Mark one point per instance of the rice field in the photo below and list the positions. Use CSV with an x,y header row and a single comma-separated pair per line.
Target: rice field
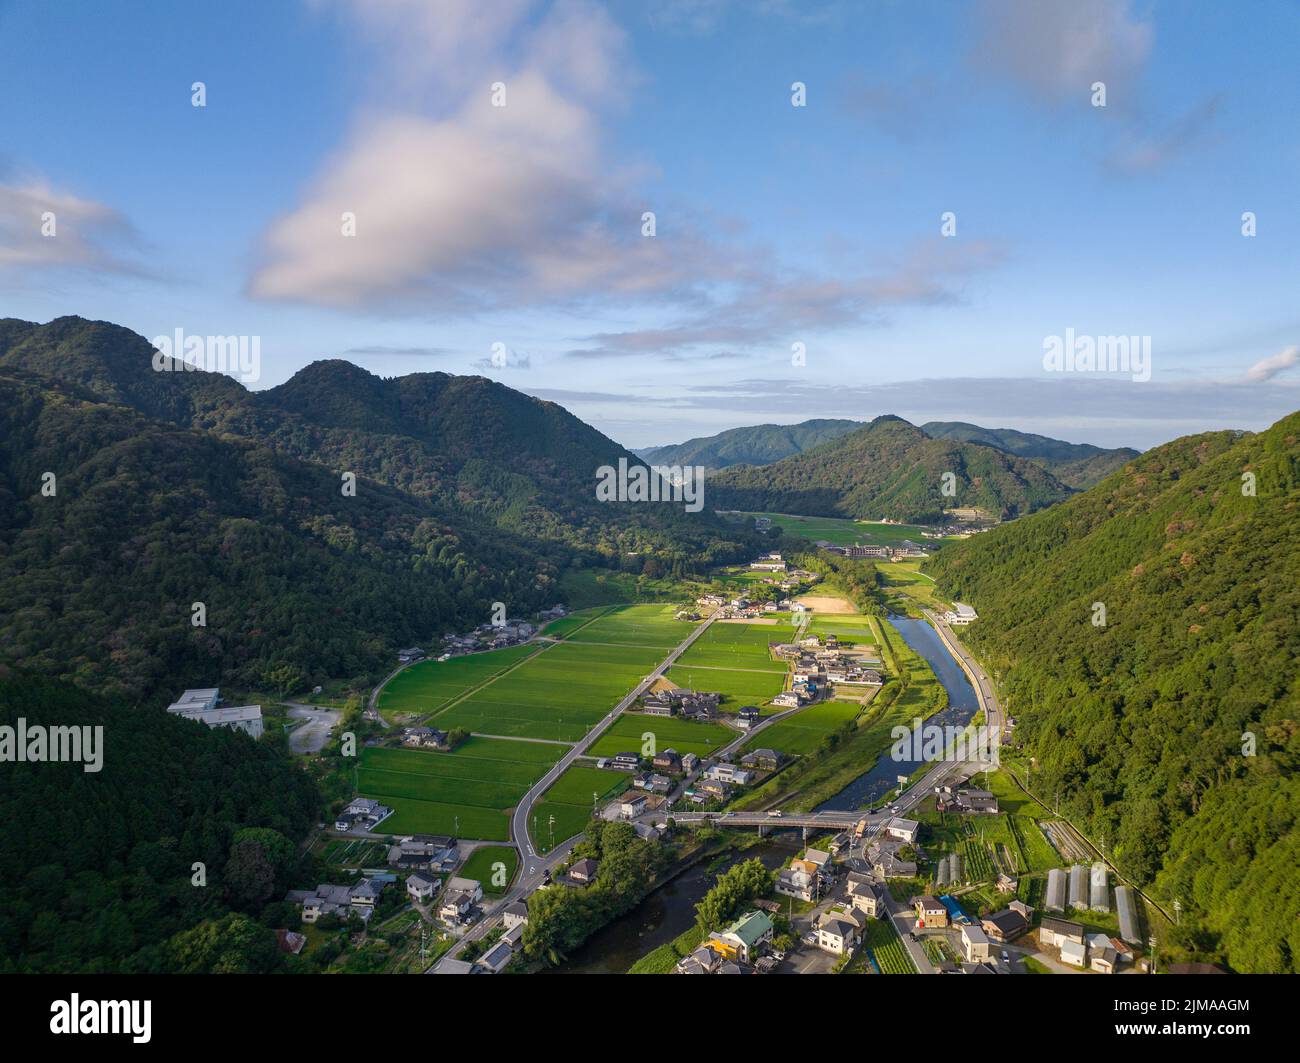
x,y
564,809
626,735
736,687
467,793
492,865
803,732
735,645
642,626
430,685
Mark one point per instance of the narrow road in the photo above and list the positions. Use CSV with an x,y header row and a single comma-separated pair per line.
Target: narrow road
x,y
533,865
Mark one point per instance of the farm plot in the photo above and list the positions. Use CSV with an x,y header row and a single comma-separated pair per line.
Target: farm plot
x,y
564,809
559,694
428,686
850,628
881,939
736,687
643,626
492,865
467,793
803,732
625,735
728,645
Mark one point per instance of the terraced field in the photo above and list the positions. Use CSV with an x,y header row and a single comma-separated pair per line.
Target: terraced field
x,y
467,793
428,686
625,735
569,802
803,732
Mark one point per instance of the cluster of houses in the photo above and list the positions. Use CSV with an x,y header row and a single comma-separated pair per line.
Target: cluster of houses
x,y
424,852
953,799
807,877
737,949
205,705
817,662
359,898
361,814
489,637
678,701
885,853
1078,948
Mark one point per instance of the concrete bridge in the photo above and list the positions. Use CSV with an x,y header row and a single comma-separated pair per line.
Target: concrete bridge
x,y
808,822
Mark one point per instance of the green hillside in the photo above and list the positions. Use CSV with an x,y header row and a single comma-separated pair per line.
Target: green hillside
x,y
888,468
1077,465
1140,724
753,445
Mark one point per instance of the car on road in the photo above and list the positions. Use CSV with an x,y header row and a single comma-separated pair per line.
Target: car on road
x,y
1006,956
774,814
727,815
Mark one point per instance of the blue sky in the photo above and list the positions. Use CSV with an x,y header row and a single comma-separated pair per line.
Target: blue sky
x,y
775,225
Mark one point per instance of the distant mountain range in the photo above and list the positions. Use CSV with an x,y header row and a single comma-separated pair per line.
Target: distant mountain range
x,y
889,468
1146,633
1076,465
757,445
180,487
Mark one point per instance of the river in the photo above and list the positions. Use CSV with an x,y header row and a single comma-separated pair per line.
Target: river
x,y
666,913
670,910
871,786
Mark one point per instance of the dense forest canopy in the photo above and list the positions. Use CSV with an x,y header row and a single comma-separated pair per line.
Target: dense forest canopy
x,y
99,867
1146,635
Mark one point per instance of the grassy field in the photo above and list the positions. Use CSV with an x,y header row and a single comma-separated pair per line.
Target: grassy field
x,y
909,588
428,686
624,735
738,645
637,625
738,688
569,801
467,793
803,732
482,865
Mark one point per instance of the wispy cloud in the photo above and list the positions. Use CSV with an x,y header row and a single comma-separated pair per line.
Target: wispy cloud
x,y
1267,368
42,229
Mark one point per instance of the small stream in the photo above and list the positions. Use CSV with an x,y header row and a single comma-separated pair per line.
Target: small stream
x,y
666,913
867,789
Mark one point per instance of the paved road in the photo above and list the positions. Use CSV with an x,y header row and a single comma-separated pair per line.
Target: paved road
x,y
535,866
311,737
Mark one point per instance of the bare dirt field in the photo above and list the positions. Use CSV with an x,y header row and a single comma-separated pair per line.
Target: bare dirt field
x,y
820,603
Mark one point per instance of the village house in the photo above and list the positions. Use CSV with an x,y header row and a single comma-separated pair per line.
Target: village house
x,y
931,913
1004,926
624,762
690,762
458,900
800,880
729,773
748,717
744,938
362,813
975,944
360,897
704,960
762,759
668,761
865,895
409,655
583,872
424,738
632,806
905,830
838,930
421,887
515,914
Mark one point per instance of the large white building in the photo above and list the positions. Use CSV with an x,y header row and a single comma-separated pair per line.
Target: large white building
x,y
961,613
204,705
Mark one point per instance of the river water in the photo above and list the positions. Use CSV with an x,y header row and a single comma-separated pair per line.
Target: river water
x,y
871,786
670,910
666,913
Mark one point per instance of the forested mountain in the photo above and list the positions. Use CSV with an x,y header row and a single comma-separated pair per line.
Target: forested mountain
x,y
99,867
1076,465
754,445
1140,723
99,579
172,488
888,468
468,444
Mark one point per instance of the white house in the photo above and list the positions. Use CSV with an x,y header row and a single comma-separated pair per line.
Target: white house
x,y
421,886
838,930
903,829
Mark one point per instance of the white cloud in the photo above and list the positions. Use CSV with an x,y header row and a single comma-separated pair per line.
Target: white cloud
x,y
85,234
1058,48
1267,368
